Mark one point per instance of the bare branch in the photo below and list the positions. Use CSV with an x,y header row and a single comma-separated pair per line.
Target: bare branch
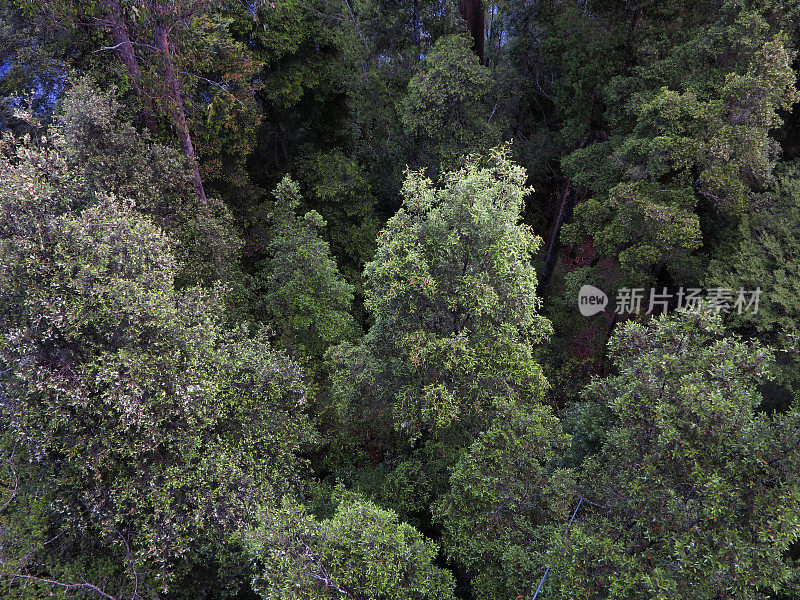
x,y
216,84
67,586
117,46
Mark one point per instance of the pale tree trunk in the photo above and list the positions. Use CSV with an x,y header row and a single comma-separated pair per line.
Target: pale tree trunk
x,y
175,100
124,48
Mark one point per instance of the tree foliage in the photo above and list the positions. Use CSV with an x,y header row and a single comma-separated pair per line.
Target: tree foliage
x,y
694,493
141,431
288,299
360,552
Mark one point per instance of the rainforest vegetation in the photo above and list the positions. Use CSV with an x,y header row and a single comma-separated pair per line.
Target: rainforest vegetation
x,y
399,300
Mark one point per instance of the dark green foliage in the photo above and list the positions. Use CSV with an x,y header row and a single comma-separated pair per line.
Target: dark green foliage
x,y
686,133
444,109
502,500
156,442
339,189
299,291
766,257
33,71
696,495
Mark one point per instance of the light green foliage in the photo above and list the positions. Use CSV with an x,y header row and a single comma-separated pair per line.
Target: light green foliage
x,y
687,133
361,552
697,493
143,432
444,108
502,499
453,293
155,440
299,291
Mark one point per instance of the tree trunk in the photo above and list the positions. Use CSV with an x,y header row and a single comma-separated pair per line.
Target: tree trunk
x,y
176,106
551,248
472,11
124,47
415,24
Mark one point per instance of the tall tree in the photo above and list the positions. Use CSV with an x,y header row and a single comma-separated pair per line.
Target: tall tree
x,y
141,433
474,14
453,294
505,496
694,493
684,132
765,256
444,107
298,289
164,48
104,154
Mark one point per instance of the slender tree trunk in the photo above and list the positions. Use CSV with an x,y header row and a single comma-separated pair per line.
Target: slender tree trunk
x,y
415,24
176,105
551,248
124,47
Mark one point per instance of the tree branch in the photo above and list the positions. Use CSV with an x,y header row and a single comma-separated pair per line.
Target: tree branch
x,y
67,586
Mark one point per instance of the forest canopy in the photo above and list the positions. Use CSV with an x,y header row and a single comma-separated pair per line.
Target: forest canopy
x,y
391,300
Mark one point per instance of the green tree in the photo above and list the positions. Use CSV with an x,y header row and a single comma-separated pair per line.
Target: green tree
x,y
685,132
444,108
298,290
103,153
361,552
765,256
140,433
695,494
453,295
193,80
503,498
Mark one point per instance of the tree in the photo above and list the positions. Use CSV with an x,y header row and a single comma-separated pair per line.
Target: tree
x,y
31,75
444,106
765,256
687,134
453,294
141,434
298,290
156,42
503,499
473,13
694,493
452,291
103,154
360,552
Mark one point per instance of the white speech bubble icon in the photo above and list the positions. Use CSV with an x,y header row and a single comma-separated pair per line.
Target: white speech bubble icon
x,y
591,300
